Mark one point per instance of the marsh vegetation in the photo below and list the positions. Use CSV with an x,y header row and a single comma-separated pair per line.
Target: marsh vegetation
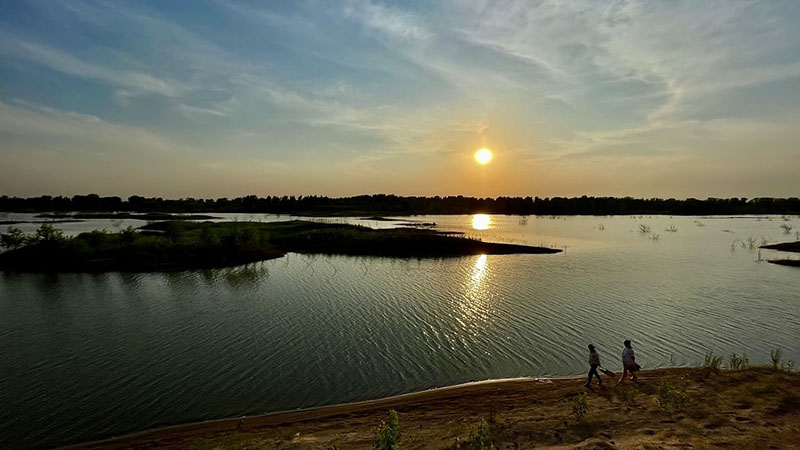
x,y
174,245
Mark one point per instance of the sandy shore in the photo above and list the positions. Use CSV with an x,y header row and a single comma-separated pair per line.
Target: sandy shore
x,y
754,408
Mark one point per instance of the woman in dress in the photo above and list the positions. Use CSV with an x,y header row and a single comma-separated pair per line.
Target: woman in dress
x,y
628,362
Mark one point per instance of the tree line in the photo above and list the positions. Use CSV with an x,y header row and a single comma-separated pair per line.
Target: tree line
x,y
385,204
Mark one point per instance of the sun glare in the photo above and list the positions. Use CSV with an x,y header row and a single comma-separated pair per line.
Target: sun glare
x,y
483,156
481,221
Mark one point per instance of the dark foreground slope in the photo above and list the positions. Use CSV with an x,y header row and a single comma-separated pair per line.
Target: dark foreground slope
x,y
178,245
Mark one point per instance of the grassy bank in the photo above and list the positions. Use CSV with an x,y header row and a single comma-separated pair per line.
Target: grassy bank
x,y
754,408
175,245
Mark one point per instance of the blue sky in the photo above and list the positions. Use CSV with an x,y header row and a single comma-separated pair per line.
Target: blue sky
x,y
215,98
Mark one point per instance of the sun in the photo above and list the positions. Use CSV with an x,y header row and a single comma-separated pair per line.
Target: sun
x,y
483,156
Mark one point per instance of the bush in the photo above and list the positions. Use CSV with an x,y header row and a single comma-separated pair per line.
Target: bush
x,y
712,361
673,395
387,436
580,406
13,238
736,362
128,235
776,356
483,438
173,230
250,237
48,234
209,238
95,238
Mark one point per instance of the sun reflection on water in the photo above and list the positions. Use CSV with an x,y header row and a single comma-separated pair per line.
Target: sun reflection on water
x,y
481,221
475,304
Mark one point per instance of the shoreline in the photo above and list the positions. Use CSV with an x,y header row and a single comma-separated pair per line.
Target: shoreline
x,y
325,410
516,403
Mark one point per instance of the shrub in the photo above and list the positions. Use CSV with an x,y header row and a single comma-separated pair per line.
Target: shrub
x,y
128,235
47,233
712,361
173,230
95,238
387,436
480,439
736,362
13,238
673,395
209,238
250,237
776,356
580,406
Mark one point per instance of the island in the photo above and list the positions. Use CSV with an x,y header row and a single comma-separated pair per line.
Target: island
x,y
785,247
180,245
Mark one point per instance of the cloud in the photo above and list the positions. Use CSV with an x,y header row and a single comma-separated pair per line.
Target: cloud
x,y
195,112
387,20
50,58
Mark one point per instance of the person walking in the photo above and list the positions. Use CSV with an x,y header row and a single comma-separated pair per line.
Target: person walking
x,y
594,363
628,362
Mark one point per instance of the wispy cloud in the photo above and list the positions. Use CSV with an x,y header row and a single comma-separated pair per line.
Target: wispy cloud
x,y
53,59
387,20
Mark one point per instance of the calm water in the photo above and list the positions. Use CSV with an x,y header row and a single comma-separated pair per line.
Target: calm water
x,y
89,356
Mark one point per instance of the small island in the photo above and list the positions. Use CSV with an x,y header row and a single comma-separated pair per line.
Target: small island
x,y
179,245
785,247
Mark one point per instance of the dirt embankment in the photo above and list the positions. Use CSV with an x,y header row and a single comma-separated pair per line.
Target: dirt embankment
x,y
672,408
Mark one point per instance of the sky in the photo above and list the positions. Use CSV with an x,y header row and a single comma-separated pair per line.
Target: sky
x,y
228,98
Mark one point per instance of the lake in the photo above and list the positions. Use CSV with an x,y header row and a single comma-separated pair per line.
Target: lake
x,y
88,356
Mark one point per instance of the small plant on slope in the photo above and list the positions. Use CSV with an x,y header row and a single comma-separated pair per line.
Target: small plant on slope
x,y
776,355
580,406
387,436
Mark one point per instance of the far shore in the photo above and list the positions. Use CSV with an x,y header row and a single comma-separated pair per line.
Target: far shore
x,y
667,408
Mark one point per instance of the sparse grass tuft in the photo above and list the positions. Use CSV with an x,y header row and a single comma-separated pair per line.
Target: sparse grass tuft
x,y
776,355
711,364
673,396
387,436
736,362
